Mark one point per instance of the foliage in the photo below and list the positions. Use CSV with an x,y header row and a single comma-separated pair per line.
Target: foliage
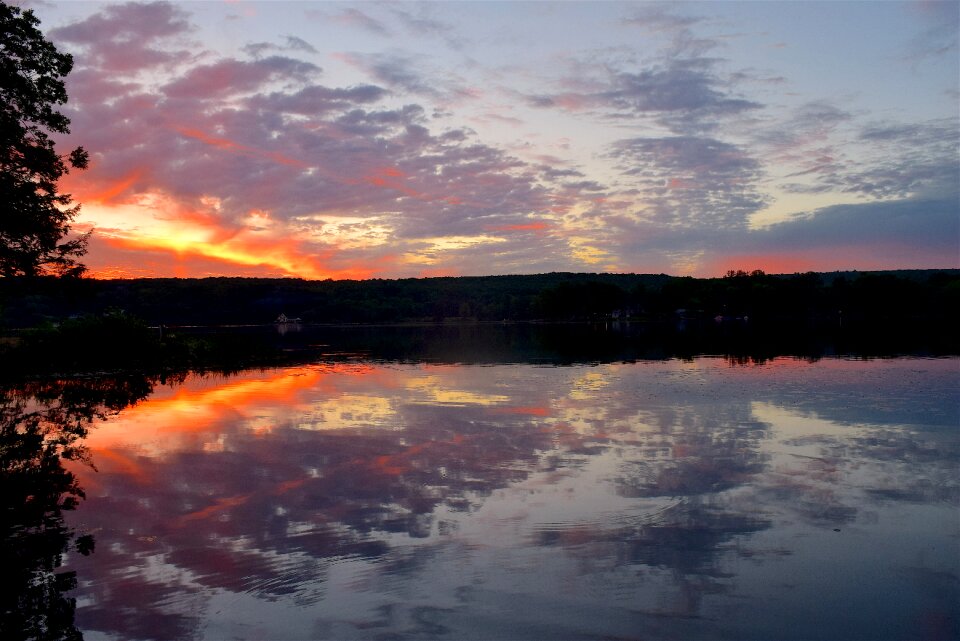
x,y
84,331
115,341
41,424
35,217
776,300
111,340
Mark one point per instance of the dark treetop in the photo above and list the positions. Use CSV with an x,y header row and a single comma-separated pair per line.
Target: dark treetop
x,y
34,216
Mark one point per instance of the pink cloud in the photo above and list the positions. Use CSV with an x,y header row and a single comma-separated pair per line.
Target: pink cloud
x,y
260,135
237,148
231,77
123,38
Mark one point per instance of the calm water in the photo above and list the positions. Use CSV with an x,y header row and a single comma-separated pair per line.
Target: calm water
x,y
675,499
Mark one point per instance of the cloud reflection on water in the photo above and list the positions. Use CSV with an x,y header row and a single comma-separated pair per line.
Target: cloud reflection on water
x,y
356,500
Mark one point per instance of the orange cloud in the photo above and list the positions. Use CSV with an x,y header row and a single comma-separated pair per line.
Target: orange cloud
x,y
192,242
237,148
524,411
381,177
123,257
277,255
538,226
392,171
385,177
111,191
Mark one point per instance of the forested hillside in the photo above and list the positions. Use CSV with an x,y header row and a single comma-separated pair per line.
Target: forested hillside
x,y
833,298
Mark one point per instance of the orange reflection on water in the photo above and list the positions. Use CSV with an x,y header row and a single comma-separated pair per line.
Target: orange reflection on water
x,y
202,408
208,414
111,461
276,419
405,460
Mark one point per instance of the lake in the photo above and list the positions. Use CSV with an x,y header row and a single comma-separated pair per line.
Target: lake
x,y
358,498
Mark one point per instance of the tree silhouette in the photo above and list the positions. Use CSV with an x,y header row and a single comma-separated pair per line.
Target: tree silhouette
x,y
41,424
34,216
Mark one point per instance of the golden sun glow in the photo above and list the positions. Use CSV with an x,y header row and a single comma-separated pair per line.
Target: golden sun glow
x,y
433,248
589,254
164,226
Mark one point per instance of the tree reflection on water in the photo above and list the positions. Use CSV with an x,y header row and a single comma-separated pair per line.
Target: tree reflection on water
x,y
41,425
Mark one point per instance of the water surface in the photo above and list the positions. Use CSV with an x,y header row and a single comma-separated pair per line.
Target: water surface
x,y
676,499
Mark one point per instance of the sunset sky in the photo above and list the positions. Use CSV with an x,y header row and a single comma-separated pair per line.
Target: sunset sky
x,y
396,139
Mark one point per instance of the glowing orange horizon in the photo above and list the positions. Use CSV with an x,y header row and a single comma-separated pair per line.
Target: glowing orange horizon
x,y
152,234
823,259
232,249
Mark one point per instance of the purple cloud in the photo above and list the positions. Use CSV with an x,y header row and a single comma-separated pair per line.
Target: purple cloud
x,y
693,181
685,94
895,160
231,77
123,38
292,43
354,17
304,153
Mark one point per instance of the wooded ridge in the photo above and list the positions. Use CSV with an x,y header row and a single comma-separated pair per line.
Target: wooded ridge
x,y
835,297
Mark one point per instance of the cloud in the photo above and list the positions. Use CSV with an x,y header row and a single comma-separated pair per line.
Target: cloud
x,y
657,18
392,70
661,20
684,91
313,100
123,38
409,74
535,227
939,35
112,257
810,123
420,23
354,17
881,160
908,159
230,145
681,88
230,77
693,181
926,226
381,172
911,233
130,22
686,94
292,43
299,44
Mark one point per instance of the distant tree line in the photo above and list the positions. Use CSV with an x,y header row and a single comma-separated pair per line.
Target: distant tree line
x,y
740,297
